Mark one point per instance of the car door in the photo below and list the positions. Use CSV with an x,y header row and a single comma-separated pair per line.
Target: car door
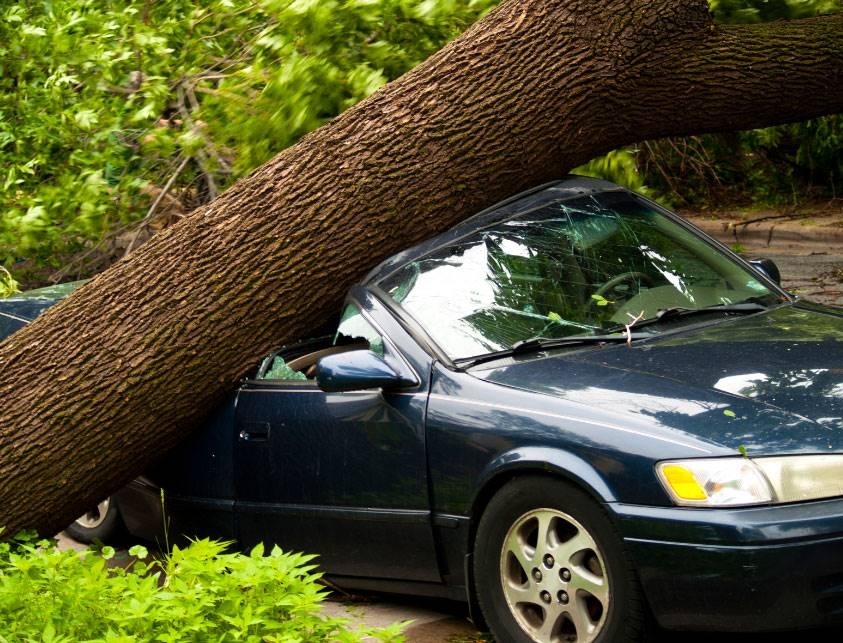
x,y
342,475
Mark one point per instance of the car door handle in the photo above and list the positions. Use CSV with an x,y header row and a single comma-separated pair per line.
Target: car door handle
x,y
258,432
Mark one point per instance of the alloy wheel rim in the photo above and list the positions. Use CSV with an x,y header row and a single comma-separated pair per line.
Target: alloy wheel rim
x,y
553,578
94,517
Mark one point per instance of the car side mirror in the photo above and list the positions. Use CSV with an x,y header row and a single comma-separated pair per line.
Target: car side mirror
x,y
357,370
769,268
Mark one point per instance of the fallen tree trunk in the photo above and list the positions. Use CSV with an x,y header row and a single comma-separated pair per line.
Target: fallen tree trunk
x,y
97,388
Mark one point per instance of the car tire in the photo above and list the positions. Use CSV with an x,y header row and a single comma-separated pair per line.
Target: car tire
x,y
101,523
549,567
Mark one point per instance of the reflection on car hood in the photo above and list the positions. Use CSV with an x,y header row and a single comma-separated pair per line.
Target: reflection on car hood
x,y
770,382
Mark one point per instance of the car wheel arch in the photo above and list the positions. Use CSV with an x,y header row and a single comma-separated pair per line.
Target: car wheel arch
x,y
539,461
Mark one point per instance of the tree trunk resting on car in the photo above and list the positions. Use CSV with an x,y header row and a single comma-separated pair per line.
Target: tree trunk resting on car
x,y
114,376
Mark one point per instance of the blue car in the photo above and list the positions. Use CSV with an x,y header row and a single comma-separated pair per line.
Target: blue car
x,y
574,411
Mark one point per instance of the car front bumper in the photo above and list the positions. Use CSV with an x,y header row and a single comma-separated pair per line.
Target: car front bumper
x,y
749,569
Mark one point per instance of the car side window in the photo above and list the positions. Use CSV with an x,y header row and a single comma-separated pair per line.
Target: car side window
x,y
353,333
354,327
280,370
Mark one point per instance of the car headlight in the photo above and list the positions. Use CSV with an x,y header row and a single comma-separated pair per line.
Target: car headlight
x,y
725,482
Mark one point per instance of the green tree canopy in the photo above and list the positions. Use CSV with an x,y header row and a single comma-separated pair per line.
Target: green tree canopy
x,y
117,112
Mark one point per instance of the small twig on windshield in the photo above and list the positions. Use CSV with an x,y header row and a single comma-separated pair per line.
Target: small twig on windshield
x,y
633,320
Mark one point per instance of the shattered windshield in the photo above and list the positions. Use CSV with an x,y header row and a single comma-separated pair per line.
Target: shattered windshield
x,y
573,268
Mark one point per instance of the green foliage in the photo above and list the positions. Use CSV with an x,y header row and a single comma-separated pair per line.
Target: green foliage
x,y
619,166
200,593
751,11
8,285
117,112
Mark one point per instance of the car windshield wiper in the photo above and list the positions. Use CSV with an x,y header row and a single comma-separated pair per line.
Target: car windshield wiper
x,y
744,307
538,344
616,334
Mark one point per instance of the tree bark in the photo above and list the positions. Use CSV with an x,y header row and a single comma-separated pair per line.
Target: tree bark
x,y
103,383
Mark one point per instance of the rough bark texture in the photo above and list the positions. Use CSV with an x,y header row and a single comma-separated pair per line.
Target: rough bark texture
x,y
117,374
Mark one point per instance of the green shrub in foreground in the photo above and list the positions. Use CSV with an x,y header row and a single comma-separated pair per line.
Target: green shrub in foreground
x,y
199,593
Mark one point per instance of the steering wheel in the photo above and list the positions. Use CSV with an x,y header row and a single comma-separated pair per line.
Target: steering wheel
x,y
633,278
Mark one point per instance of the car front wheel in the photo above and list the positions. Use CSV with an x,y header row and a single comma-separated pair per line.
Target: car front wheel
x,y
101,523
549,567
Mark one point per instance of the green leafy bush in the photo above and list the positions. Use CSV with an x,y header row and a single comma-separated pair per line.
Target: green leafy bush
x,y
619,166
751,11
199,593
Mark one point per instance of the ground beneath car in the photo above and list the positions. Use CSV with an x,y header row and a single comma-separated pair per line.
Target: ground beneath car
x,y
429,621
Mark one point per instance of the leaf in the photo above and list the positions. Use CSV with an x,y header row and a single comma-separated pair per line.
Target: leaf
x,y
146,113
86,118
8,286
139,551
29,30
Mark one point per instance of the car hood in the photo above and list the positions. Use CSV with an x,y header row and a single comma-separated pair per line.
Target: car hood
x,y
766,383
20,309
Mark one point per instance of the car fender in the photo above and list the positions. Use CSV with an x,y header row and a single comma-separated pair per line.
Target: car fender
x,y
539,460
